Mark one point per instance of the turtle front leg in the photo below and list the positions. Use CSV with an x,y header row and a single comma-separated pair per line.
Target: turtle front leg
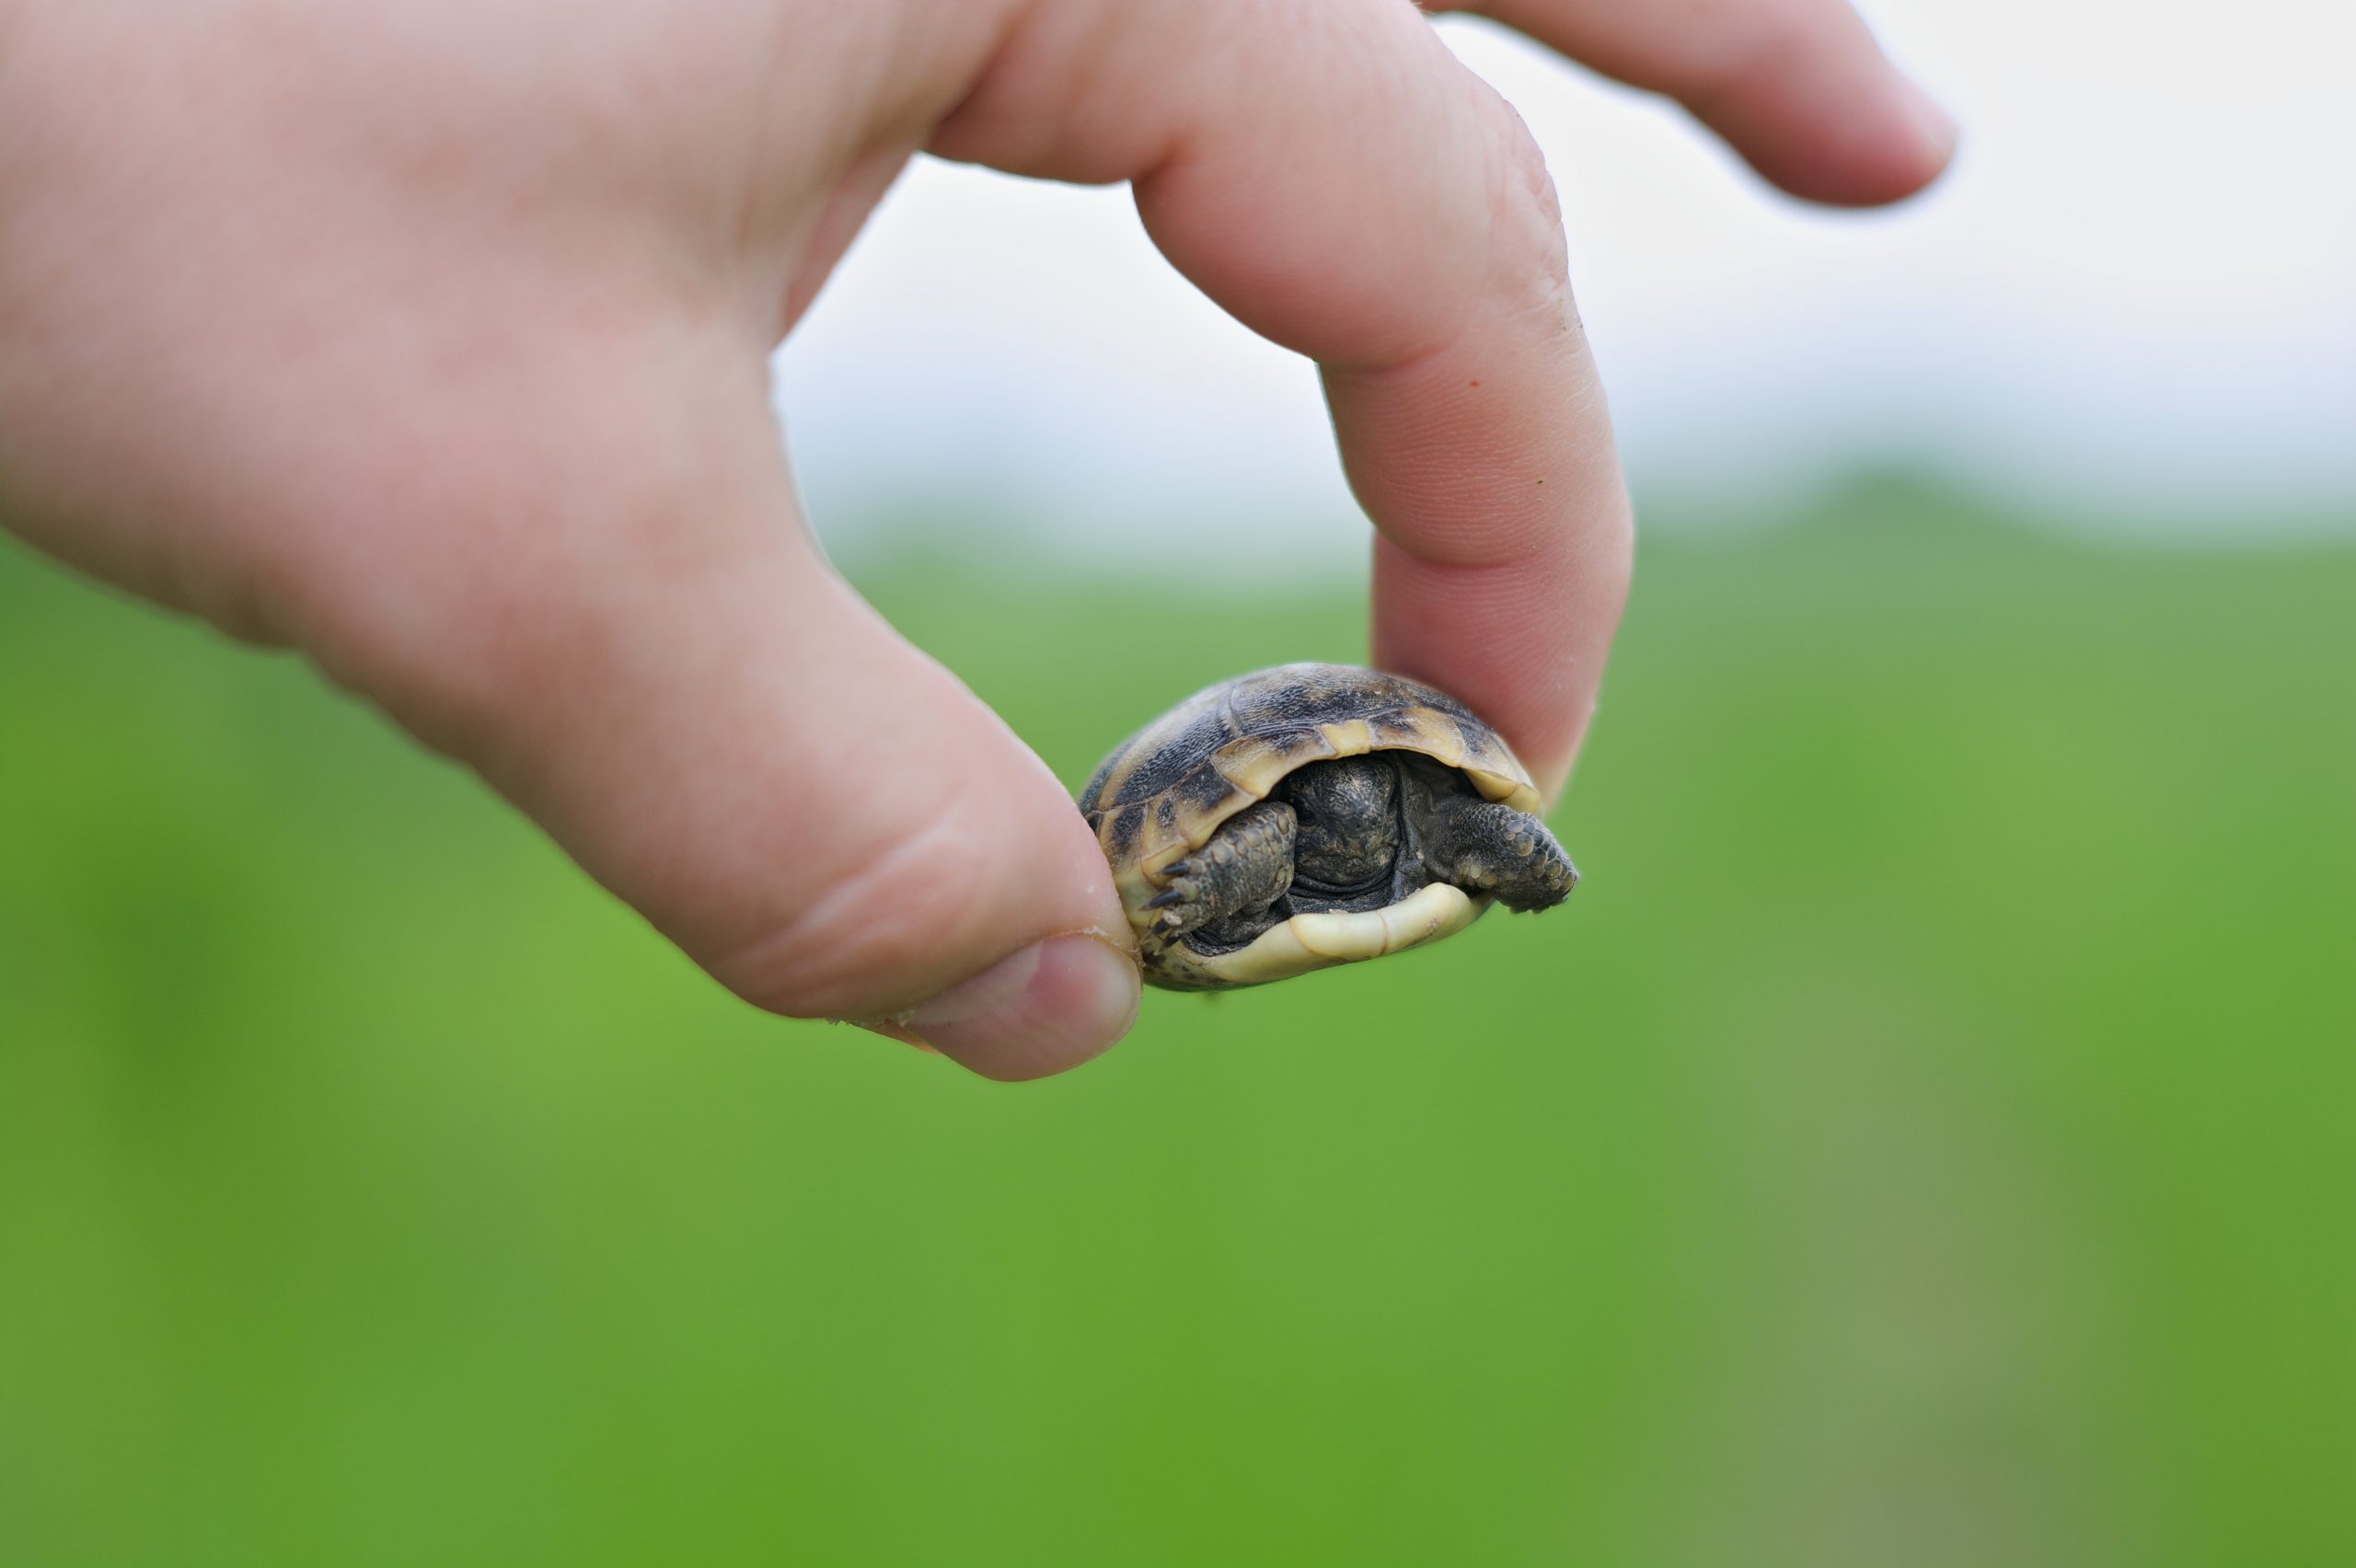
x,y
1483,846
1246,866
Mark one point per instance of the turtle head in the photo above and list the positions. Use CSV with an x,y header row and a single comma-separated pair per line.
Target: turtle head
x,y
1347,840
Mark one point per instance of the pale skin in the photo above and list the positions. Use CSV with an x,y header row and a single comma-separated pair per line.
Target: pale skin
x,y
430,341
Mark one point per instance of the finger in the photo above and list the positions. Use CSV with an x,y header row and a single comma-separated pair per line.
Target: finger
x,y
1330,173
534,504
580,569
1798,87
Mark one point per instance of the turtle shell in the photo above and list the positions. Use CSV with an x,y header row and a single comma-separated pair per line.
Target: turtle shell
x,y
1164,791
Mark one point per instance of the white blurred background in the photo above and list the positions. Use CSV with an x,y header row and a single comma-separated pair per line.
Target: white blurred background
x,y
2130,305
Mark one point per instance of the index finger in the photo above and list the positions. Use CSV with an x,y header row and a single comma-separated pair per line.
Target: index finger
x,y
1505,538
1330,173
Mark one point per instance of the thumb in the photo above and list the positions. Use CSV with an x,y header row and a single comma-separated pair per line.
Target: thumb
x,y
623,624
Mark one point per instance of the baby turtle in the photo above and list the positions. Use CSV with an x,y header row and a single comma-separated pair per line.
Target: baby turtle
x,y
1315,814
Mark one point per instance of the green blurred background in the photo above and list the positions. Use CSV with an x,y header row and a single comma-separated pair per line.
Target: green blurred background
x,y
1924,1139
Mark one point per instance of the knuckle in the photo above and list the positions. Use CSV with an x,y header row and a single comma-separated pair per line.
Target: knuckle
x,y
901,922
496,544
1530,253
1768,43
463,646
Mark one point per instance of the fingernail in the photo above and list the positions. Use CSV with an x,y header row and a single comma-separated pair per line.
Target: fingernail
x,y
1932,122
1052,1006
890,1031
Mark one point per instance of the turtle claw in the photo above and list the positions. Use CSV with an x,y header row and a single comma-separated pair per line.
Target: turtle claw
x,y
1182,905
1182,890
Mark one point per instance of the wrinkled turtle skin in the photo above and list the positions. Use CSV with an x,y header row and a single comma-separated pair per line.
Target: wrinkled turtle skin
x,y
1447,800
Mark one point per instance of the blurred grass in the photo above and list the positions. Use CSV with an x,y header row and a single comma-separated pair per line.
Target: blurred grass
x,y
1924,1139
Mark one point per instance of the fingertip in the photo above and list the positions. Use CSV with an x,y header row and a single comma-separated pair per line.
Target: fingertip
x,y
1842,148
1045,1011
1936,134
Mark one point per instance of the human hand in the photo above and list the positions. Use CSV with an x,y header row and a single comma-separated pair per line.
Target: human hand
x,y
432,341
